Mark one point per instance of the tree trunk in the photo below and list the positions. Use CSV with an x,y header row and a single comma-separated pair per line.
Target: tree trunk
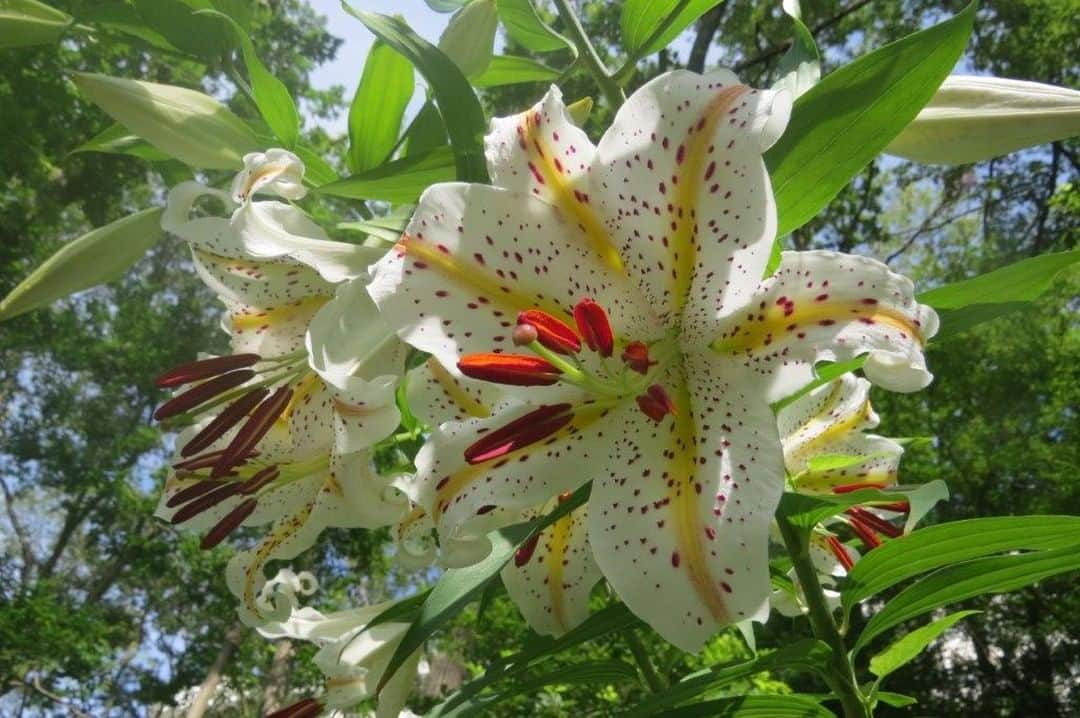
x,y
276,688
213,676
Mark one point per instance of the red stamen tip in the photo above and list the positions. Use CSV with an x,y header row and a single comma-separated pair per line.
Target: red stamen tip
x,y
841,553
204,369
253,430
514,369
202,393
875,522
524,431
227,525
656,404
205,502
865,533
636,356
552,333
595,327
232,415
848,488
525,552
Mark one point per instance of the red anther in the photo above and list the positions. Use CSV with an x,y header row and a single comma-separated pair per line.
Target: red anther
x,y
524,335
535,426
840,551
205,460
553,333
864,532
204,502
204,369
656,403
848,488
594,326
192,492
259,480
900,507
253,430
515,369
307,708
636,356
525,552
565,496
227,525
202,393
875,522
230,416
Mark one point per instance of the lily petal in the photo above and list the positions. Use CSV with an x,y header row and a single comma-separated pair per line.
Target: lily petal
x,y
683,191
827,306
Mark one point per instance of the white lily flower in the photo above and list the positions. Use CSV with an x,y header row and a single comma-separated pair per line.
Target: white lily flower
x,y
971,119
352,656
281,427
652,245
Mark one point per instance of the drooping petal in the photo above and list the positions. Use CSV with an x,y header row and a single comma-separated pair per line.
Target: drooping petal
x,y
355,663
679,181
681,508
467,500
827,306
275,171
543,153
825,446
474,256
551,580
276,229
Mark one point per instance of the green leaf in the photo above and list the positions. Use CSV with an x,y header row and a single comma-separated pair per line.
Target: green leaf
x,y
461,110
936,546
28,22
118,140
808,655
641,18
271,96
459,586
826,372
187,125
469,39
592,673
445,6
397,181
317,171
794,706
509,70
525,27
425,132
800,67
119,17
388,229
178,23
997,574
385,88
94,258
964,304
907,648
896,700
849,117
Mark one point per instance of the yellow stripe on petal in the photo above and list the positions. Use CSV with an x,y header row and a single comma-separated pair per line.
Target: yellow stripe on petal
x,y
685,505
554,562
548,171
281,532
454,390
260,318
690,159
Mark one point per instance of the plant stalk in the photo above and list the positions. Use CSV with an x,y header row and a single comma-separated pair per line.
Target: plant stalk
x,y
841,675
641,657
587,54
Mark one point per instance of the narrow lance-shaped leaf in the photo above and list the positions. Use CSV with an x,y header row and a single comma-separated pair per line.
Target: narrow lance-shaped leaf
x,y
525,27
118,140
28,22
936,546
964,304
385,88
94,258
795,706
641,18
398,181
469,39
997,574
188,125
591,673
911,645
271,96
461,110
800,67
507,70
849,117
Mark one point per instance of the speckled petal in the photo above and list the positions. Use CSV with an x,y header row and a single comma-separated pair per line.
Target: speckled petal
x,y
551,586
437,395
679,181
827,306
683,507
474,256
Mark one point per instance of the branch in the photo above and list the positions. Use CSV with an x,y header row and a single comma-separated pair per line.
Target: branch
x,y
782,47
28,557
707,27
54,697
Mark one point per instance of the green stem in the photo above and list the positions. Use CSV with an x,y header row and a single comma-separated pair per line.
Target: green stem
x,y
623,73
841,677
587,53
641,657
